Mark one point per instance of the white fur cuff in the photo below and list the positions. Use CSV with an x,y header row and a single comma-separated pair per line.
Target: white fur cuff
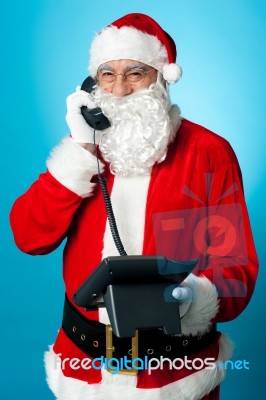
x,y
203,308
73,167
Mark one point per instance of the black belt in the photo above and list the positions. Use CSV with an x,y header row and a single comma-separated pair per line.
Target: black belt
x,y
90,337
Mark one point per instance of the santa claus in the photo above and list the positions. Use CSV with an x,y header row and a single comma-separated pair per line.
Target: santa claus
x,y
158,166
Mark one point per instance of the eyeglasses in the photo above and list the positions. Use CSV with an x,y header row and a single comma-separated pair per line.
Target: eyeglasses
x,y
132,76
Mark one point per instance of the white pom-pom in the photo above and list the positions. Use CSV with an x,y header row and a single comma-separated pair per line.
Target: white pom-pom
x,y
172,73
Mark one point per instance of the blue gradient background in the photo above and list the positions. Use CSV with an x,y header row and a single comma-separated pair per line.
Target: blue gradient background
x,y
44,54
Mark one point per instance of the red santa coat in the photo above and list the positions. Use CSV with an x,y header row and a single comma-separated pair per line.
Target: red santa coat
x,y
200,175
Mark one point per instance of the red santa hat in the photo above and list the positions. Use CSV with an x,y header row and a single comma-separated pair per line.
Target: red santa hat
x,y
136,37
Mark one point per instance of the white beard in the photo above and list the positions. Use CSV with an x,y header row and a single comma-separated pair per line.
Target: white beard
x,y
142,126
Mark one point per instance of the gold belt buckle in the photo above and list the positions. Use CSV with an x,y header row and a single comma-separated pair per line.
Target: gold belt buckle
x,y
110,349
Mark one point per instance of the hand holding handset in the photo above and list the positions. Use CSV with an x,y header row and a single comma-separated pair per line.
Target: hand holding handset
x,y
95,117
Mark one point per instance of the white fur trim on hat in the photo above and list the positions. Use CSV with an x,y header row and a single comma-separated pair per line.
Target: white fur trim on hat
x,y
126,43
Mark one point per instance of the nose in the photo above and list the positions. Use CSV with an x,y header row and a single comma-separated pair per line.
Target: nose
x,y
121,87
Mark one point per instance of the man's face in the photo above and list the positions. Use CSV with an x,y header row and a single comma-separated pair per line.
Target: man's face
x,y
124,77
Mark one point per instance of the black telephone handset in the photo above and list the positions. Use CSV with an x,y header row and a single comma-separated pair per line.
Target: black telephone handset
x,y
95,117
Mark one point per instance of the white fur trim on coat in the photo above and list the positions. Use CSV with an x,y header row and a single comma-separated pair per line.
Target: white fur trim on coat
x,y
129,196
73,166
116,387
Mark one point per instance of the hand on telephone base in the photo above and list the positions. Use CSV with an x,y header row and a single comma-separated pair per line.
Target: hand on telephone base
x,y
184,295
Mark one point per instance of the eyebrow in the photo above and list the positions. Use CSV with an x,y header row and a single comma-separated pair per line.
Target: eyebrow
x,y
136,66
106,67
